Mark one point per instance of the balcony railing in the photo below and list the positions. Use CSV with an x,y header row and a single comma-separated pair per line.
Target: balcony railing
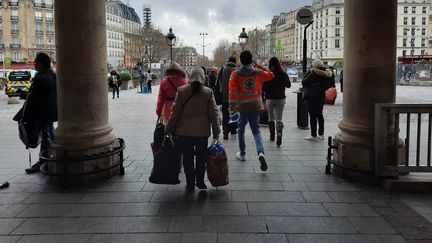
x,y
39,32
50,32
13,4
50,6
49,20
38,19
392,157
15,32
14,18
15,46
39,5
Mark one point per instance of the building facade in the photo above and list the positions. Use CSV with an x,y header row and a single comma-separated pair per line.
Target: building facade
x,y
186,56
132,28
26,28
413,28
114,34
326,34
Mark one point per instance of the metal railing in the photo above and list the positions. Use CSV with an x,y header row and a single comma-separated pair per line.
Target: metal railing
x,y
395,155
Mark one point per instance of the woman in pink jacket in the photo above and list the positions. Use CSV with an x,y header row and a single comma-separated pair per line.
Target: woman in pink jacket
x,y
174,78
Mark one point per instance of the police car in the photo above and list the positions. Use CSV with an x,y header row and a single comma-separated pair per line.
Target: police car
x,y
18,82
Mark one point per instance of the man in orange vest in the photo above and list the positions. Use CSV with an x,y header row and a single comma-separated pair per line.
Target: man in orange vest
x,y
245,90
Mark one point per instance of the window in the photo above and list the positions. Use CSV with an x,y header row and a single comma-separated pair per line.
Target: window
x,y
405,9
14,26
413,20
337,44
320,23
405,31
337,32
50,28
405,20
49,16
422,52
337,21
404,53
38,15
16,56
423,42
413,10
404,42
326,23
326,33
1,54
413,31
14,13
15,40
424,31
326,11
412,42
424,10
338,10
412,52
39,27
424,21
320,34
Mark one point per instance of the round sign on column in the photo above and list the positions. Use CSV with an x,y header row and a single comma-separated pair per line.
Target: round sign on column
x,y
304,16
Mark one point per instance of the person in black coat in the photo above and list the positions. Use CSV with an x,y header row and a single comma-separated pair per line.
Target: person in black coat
x,y
41,104
274,94
314,84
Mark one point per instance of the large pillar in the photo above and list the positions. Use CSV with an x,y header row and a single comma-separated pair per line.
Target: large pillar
x,y
83,128
369,75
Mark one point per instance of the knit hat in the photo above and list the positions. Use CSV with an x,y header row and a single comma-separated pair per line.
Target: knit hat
x,y
175,70
197,75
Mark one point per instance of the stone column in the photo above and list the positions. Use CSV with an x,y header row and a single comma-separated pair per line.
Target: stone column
x,y
83,128
369,78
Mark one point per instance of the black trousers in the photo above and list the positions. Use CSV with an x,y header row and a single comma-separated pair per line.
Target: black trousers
x,y
193,148
149,84
315,108
225,119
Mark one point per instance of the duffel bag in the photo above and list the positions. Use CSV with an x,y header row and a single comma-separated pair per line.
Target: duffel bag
x,y
217,165
166,164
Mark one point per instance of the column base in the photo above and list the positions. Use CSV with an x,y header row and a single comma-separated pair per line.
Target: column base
x,y
84,168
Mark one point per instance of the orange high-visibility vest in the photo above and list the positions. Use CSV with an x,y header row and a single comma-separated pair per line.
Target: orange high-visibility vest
x,y
245,92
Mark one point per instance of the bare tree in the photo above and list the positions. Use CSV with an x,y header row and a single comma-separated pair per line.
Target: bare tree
x,y
154,45
256,44
204,61
223,51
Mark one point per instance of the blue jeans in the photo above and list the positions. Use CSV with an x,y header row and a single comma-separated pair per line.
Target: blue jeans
x,y
47,137
253,119
115,88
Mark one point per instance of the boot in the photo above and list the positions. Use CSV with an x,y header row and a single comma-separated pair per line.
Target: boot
x,y
271,126
190,183
279,128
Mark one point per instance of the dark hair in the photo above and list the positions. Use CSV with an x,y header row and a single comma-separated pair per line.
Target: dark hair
x,y
246,57
232,59
149,71
43,59
275,65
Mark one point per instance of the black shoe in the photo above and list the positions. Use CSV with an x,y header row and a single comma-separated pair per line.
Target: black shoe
x,y
34,169
262,161
201,185
190,188
225,137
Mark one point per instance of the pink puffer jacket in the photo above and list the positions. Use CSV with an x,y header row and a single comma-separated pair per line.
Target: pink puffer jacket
x,y
167,92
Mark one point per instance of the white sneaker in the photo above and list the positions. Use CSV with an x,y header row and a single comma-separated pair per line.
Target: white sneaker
x,y
262,161
310,138
321,137
240,157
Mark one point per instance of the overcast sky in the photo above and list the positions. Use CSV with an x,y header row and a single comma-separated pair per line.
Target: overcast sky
x,y
222,19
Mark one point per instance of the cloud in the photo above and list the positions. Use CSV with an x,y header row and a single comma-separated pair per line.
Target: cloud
x,y
221,19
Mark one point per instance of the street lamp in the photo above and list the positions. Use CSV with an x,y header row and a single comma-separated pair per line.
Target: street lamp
x,y
203,43
170,39
243,38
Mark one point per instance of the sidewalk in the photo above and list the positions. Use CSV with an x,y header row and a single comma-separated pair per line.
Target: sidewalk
x,y
294,201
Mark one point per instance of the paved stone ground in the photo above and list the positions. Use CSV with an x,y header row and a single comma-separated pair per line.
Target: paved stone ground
x,y
294,201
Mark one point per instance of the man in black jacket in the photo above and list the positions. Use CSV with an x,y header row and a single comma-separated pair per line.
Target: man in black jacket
x,y
41,104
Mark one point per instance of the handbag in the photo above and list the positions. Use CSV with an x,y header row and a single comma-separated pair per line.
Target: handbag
x,y
217,165
166,165
29,132
158,136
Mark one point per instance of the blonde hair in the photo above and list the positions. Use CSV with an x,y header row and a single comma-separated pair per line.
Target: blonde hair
x,y
317,64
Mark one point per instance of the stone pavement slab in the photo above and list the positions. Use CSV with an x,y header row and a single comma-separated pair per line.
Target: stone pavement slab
x,y
293,201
